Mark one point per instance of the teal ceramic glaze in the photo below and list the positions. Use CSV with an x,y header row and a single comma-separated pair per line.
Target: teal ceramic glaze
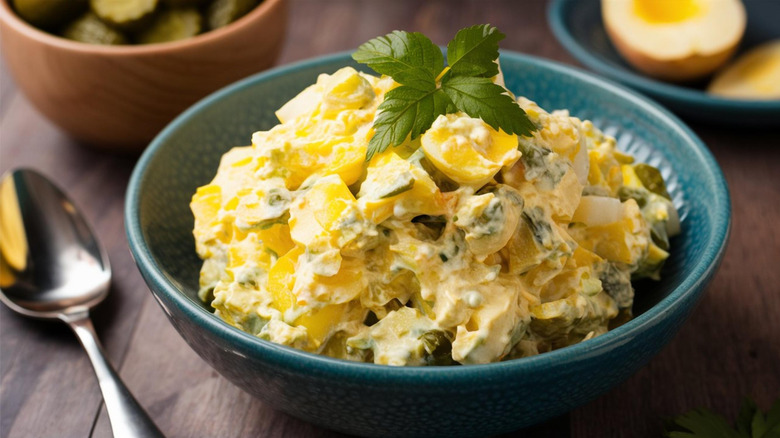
x,y
375,400
579,28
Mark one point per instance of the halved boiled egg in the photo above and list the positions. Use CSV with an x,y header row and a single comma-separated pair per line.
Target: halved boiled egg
x,y
468,150
754,75
675,40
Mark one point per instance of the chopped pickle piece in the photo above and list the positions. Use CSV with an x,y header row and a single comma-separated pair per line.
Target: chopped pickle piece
x,y
92,30
651,179
183,3
172,25
124,14
223,12
48,14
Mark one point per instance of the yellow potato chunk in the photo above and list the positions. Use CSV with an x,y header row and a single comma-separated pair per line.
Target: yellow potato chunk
x,y
315,214
342,155
205,205
320,322
624,240
394,183
325,131
468,150
576,276
277,238
346,89
281,279
604,170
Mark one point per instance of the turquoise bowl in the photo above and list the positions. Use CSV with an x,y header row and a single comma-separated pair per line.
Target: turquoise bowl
x,y
578,26
375,400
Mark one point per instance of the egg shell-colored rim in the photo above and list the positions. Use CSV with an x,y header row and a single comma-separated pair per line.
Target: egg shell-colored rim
x,y
313,364
670,92
9,18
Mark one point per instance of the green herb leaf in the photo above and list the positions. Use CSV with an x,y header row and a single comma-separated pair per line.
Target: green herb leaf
x,y
745,417
407,111
405,56
480,97
751,423
413,61
474,50
701,423
767,426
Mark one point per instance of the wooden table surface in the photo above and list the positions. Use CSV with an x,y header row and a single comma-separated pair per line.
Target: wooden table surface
x,y
730,347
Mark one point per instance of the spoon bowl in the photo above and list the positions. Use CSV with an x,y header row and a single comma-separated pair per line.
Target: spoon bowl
x,y
52,266
51,261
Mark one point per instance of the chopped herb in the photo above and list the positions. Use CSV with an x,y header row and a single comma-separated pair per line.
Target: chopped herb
x,y
652,179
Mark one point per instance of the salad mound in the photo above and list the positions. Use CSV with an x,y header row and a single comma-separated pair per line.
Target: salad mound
x,y
464,245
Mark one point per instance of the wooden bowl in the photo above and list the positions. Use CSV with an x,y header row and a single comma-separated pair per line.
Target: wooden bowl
x,y
119,97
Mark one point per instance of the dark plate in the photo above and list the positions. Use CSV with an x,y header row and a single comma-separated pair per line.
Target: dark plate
x,y
578,26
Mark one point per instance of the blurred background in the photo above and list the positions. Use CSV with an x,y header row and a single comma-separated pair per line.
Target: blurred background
x,y
727,350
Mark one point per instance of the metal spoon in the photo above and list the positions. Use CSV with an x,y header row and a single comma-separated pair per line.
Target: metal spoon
x,y
52,266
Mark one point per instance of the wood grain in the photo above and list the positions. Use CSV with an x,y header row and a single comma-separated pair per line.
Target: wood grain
x,y
730,348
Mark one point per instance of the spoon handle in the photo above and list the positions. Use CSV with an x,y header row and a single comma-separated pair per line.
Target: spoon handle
x,y
128,418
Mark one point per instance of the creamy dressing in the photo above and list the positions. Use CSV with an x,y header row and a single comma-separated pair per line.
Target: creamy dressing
x,y
466,246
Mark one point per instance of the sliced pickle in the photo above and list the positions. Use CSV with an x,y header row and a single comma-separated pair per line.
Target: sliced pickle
x,y
172,25
92,30
48,14
182,3
223,12
124,14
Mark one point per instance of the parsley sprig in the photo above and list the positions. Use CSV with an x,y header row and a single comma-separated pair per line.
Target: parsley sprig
x,y
428,88
751,423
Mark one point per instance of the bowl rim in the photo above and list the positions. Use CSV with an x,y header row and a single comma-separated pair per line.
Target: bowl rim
x,y
10,18
301,361
556,11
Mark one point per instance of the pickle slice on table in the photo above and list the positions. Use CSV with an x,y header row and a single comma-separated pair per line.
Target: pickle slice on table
x,y
124,14
92,30
172,25
49,14
223,12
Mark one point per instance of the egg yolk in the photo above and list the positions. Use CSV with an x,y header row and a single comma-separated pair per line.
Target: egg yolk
x,y
666,11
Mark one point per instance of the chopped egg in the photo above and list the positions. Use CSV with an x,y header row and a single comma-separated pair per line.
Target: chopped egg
x,y
467,149
467,245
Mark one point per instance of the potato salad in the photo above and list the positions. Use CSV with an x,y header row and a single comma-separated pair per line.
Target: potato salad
x,y
464,246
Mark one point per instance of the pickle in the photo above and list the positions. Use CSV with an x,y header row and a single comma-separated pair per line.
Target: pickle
x,y
223,12
91,29
651,178
124,14
48,14
172,25
182,3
